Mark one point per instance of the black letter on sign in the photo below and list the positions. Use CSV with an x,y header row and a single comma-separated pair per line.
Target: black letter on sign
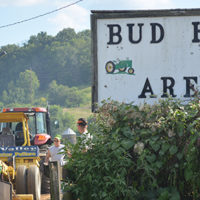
x,y
147,88
196,31
168,87
153,30
113,34
189,85
130,33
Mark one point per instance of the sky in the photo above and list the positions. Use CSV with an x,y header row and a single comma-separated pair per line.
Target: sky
x,y
76,16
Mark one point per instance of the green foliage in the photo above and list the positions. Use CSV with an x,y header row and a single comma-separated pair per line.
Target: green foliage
x,y
13,94
40,102
24,90
86,94
64,58
147,152
64,118
66,35
68,97
28,81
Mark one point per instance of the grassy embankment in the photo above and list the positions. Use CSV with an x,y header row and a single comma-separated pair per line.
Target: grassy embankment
x,y
78,112
83,111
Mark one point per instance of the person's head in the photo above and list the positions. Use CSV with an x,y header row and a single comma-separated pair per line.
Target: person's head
x,y
56,140
82,125
19,127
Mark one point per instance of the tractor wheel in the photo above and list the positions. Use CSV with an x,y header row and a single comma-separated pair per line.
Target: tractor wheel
x,y
130,70
45,180
110,67
34,181
45,188
21,186
123,69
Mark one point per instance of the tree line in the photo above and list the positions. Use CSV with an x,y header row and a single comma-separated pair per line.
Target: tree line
x,y
54,69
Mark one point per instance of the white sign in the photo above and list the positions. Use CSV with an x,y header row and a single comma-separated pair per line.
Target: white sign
x,y
145,58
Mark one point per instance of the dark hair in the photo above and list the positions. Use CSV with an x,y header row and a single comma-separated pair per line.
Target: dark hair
x,y
82,122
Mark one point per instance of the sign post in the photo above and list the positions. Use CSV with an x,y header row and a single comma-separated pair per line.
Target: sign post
x,y
143,56
55,177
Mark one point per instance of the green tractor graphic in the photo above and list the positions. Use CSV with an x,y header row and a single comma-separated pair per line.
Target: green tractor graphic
x,y
121,65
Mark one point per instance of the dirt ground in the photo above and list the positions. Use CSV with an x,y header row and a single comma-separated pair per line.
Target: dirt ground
x,y
45,197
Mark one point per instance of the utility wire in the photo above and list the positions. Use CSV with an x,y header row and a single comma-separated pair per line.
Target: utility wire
x,y
38,16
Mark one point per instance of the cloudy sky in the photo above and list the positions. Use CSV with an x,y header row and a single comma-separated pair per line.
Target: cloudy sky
x,y
76,16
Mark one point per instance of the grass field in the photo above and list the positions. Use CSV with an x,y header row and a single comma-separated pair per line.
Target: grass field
x,y
84,112
79,112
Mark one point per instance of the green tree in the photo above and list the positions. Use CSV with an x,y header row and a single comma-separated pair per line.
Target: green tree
x,y
74,98
29,82
13,94
5,97
40,40
23,91
65,96
58,91
64,58
66,35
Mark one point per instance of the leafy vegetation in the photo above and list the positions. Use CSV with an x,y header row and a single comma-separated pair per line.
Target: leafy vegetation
x,y
54,69
23,90
147,152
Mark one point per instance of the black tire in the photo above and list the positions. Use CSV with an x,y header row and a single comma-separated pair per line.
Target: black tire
x,y
110,67
122,69
45,180
34,181
45,188
21,185
130,70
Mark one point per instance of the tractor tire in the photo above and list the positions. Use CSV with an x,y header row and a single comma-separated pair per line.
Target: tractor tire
x,y
130,70
110,67
34,181
45,180
21,185
45,189
122,69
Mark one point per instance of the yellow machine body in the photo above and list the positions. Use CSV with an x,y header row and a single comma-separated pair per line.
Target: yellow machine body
x,y
12,157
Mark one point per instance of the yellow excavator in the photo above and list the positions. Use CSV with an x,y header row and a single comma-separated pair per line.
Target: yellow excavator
x,y
19,160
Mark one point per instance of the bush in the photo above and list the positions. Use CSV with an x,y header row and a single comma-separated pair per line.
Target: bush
x,y
147,152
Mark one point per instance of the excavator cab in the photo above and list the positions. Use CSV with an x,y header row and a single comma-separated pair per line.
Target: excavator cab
x,y
14,127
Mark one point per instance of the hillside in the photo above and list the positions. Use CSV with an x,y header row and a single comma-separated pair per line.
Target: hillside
x,y
78,112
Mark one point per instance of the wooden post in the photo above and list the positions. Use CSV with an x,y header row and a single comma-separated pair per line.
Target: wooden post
x,y
55,177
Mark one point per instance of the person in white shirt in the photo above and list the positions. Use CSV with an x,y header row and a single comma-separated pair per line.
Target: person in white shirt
x,y
82,126
56,152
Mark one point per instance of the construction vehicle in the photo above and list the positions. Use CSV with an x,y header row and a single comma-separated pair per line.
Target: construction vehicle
x,y
39,125
40,134
19,159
